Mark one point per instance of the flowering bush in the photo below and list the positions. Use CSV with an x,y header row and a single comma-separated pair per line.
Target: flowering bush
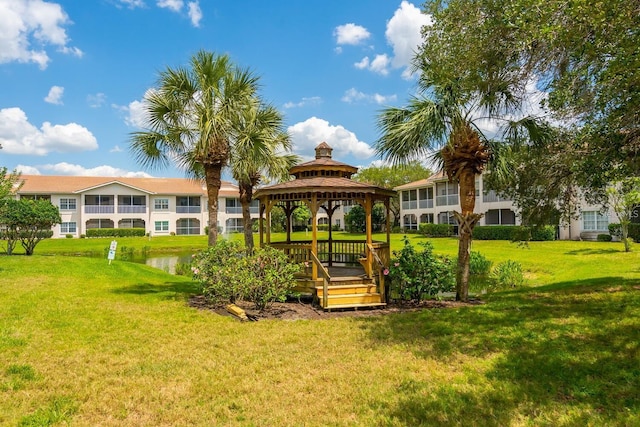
x,y
416,275
227,274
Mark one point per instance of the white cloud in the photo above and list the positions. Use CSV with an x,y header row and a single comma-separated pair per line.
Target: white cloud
x,y
174,5
306,101
116,149
69,169
363,63
132,4
97,100
380,64
404,34
308,134
55,95
353,95
351,34
136,114
195,13
27,27
18,136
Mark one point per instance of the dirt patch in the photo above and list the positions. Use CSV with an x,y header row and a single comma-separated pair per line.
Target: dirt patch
x,y
298,310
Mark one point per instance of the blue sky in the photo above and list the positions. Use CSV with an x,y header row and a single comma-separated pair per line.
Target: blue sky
x,y
73,73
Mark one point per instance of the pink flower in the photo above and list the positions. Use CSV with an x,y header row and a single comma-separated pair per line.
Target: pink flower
x,y
385,271
397,264
195,270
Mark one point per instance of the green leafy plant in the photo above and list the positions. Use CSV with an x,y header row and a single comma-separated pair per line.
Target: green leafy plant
x,y
226,274
415,275
507,275
604,238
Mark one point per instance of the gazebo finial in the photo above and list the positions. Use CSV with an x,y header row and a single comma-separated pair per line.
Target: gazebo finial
x,y
323,150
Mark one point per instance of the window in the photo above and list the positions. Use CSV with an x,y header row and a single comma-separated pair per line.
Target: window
x,y
410,199
188,204
425,196
426,218
162,225
594,221
131,223
410,222
188,226
161,205
68,227
500,217
447,193
67,204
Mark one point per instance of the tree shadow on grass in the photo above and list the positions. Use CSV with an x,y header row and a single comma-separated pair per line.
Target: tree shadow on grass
x,y
589,251
171,290
570,349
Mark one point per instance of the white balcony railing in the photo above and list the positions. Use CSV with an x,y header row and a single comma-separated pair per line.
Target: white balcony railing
x,y
99,209
132,209
188,209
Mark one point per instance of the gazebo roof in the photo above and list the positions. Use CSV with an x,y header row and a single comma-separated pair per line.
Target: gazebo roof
x,y
323,175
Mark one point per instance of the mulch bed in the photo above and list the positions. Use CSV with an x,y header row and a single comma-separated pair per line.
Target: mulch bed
x,y
303,309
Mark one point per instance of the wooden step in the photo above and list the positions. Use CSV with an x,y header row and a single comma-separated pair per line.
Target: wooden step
x,y
347,289
351,300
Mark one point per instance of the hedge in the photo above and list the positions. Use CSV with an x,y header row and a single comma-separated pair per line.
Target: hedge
x,y
116,232
511,232
435,230
634,231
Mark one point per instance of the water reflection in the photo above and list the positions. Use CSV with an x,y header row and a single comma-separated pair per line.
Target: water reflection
x,y
166,263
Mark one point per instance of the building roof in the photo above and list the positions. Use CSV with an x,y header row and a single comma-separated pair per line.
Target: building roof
x,y
49,184
439,176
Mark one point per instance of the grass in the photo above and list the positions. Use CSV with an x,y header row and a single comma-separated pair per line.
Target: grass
x,y
87,343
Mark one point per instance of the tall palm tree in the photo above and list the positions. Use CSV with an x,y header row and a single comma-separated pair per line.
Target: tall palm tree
x,y
443,126
191,119
260,152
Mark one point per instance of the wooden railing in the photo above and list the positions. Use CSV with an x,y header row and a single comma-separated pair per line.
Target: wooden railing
x,y
324,274
382,268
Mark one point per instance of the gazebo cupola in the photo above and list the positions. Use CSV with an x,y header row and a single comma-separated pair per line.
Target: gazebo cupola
x,y
323,166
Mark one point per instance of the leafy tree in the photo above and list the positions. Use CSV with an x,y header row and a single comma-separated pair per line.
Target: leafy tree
x,y
28,221
259,153
391,177
625,197
9,183
355,220
193,116
301,215
582,55
443,120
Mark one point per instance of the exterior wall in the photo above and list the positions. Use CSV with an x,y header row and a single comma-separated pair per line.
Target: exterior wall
x,y
590,222
159,218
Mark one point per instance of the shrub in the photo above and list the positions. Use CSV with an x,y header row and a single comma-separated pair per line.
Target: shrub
x,y
507,275
272,277
604,238
493,232
543,233
515,233
227,274
69,236
415,275
436,230
615,229
116,232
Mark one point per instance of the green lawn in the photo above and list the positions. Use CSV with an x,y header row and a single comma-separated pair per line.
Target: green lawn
x,y
86,343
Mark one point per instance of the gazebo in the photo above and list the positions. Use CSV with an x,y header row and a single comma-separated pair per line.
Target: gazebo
x,y
340,273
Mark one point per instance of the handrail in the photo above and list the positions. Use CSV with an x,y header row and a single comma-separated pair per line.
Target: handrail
x,y
325,279
381,268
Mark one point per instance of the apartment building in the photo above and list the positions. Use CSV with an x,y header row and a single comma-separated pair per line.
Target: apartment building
x,y
159,205
433,200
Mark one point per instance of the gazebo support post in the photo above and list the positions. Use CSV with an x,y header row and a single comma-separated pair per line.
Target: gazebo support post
x,y
368,208
261,223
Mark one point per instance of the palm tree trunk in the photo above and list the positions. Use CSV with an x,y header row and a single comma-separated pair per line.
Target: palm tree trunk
x,y
246,194
467,220
213,172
